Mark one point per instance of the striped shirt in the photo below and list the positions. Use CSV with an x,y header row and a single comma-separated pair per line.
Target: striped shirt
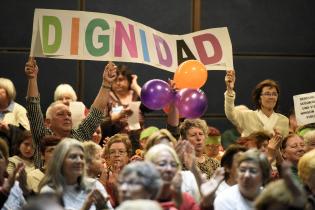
x,y
34,113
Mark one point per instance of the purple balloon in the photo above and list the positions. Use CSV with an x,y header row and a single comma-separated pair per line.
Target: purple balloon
x,y
155,94
191,103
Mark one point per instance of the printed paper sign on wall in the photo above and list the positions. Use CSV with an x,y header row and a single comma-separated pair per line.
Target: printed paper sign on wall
x,y
304,106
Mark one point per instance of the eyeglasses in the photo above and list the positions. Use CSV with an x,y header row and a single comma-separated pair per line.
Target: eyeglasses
x,y
270,94
119,152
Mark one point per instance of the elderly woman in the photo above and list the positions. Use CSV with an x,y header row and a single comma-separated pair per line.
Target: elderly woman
x,y
309,140
10,111
264,118
306,168
196,131
65,93
94,159
189,181
167,163
161,136
253,173
65,176
139,180
292,149
117,153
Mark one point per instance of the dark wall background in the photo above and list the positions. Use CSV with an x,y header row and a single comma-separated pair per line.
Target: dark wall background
x,y
271,39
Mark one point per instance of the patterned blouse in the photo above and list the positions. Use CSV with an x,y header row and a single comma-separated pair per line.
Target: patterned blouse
x,y
208,166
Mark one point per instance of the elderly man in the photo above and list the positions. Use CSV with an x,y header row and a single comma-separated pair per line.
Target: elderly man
x,y
59,121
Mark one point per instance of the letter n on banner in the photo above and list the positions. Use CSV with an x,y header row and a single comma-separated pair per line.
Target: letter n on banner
x,y
121,36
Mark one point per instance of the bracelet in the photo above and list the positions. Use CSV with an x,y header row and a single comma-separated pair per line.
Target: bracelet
x,y
106,87
230,93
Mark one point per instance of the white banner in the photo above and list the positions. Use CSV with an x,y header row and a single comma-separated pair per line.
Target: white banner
x,y
304,106
79,35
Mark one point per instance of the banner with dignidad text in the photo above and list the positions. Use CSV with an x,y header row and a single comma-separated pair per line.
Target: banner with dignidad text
x,y
79,35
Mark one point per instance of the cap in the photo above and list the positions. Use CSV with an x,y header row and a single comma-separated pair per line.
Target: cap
x,y
213,140
147,132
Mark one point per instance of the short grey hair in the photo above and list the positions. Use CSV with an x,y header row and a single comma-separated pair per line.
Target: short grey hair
x,y
258,157
63,89
149,176
192,123
49,109
308,136
8,85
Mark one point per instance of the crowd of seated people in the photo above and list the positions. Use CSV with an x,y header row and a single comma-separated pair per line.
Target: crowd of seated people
x,y
48,161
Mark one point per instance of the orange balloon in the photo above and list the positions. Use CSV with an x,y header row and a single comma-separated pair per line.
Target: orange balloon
x,y
190,74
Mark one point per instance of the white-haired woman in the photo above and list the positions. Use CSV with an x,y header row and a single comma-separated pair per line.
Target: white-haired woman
x,y
10,111
65,175
95,163
309,140
139,180
167,163
65,93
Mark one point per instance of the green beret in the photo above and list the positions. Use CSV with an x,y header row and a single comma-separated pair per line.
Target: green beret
x,y
147,132
213,140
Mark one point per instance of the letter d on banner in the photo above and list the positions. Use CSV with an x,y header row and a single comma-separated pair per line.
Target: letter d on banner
x,y
49,46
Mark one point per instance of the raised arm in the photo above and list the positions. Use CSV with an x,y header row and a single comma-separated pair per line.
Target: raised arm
x,y
109,75
134,85
31,71
34,112
173,115
229,98
87,127
230,81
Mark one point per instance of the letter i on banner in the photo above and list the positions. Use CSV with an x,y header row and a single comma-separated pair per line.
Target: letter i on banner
x,y
75,28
